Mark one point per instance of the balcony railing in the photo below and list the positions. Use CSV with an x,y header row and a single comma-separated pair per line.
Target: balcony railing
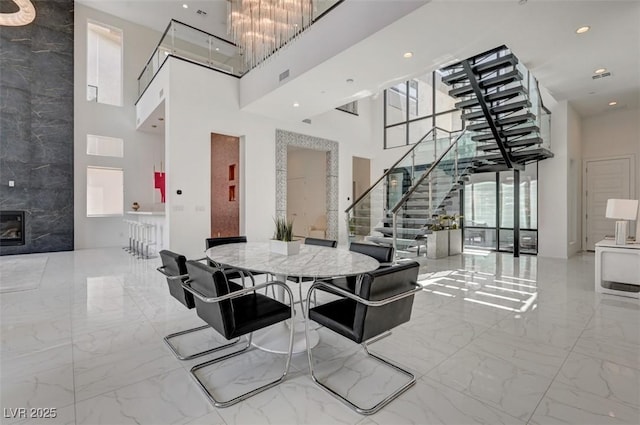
x,y
186,42
197,46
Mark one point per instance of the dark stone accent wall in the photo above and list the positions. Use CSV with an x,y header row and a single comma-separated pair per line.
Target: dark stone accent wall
x,y
36,126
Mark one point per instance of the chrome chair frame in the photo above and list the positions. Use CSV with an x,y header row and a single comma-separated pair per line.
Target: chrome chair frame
x,y
167,339
339,291
187,286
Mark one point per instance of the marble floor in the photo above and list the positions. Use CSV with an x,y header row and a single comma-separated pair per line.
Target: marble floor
x,y
492,340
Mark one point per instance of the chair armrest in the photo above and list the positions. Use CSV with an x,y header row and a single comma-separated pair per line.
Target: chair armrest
x,y
376,303
187,286
171,277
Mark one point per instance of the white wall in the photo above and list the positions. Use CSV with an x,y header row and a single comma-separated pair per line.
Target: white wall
x,y
141,150
200,101
553,185
574,182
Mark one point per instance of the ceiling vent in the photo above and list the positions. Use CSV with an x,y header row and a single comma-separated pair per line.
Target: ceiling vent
x,y
598,76
306,121
201,12
283,75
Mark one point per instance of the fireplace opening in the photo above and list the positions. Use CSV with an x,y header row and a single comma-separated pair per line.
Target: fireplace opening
x,y
11,227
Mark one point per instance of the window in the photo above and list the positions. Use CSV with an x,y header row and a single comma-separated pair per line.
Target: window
x,y
414,107
105,146
105,191
104,64
489,210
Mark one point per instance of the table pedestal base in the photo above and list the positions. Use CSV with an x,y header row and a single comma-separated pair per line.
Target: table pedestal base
x,y
276,339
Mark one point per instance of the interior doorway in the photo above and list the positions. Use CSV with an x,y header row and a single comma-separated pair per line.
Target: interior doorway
x,y
306,191
607,178
361,181
225,185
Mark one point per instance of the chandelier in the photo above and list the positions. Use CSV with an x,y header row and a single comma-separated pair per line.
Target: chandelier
x,y
260,27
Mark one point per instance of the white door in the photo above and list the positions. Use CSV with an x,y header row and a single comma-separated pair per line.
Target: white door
x,y
604,179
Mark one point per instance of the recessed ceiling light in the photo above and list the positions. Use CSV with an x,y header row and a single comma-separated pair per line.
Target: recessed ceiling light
x,y
160,119
408,55
186,6
583,29
217,49
296,104
600,71
154,126
613,103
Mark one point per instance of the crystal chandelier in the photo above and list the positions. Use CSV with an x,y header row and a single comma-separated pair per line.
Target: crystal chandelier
x,y
260,27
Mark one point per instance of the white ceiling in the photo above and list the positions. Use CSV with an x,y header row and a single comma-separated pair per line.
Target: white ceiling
x,y
540,32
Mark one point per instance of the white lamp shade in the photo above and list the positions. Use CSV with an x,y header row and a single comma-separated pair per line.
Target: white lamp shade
x,y
622,209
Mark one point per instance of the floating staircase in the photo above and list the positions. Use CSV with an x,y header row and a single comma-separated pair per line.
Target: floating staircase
x,y
506,127
501,104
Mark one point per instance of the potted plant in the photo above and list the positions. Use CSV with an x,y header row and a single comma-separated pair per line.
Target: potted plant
x,y
282,242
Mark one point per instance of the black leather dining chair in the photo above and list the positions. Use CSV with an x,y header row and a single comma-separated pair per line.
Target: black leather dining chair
x,y
383,301
384,255
235,312
174,268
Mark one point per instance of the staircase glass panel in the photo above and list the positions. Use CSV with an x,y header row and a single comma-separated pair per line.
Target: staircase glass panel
x,y
368,218
434,197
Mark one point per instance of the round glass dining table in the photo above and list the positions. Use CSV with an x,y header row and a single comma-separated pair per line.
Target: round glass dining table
x,y
312,261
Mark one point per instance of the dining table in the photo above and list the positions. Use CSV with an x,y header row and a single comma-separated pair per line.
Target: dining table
x,y
315,262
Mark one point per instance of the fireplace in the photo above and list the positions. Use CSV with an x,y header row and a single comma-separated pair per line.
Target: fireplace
x,y
11,228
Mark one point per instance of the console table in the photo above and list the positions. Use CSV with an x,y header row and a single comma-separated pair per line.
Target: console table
x,y
618,268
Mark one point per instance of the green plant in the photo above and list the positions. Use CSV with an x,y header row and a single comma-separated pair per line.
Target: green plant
x,y
284,229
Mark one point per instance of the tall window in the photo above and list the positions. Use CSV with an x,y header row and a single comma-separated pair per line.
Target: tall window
x,y
104,64
489,210
105,191
414,107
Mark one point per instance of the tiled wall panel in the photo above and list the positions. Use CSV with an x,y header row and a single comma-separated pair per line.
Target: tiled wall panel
x,y
36,126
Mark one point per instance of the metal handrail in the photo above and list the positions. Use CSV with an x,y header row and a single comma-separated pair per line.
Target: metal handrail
x,y
390,169
425,174
394,211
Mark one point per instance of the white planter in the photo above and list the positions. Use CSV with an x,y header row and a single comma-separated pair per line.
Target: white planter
x,y
455,241
438,244
284,248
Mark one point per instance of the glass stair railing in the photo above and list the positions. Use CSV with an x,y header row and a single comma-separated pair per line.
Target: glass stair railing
x,y
369,218
435,194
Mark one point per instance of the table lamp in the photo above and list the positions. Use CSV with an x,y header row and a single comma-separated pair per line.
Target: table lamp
x,y
622,210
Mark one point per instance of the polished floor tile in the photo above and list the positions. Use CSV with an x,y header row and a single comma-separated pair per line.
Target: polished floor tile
x,y
492,340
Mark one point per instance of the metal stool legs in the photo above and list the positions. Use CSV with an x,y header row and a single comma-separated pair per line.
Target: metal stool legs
x,y
167,340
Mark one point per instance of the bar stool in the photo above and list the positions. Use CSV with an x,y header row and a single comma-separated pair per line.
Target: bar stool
x,y
129,224
149,230
137,239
